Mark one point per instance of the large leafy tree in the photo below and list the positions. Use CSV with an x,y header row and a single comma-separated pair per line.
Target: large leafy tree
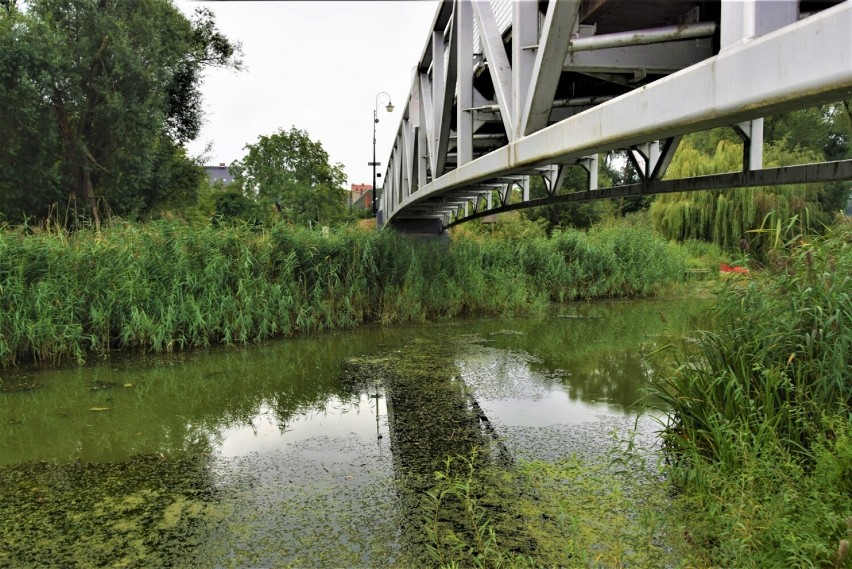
x,y
97,97
293,172
31,176
734,218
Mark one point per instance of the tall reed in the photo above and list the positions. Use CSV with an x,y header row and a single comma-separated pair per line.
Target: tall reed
x,y
759,431
780,359
167,286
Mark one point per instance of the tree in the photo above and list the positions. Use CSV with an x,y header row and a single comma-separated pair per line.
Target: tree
x,y
31,176
730,218
292,171
109,89
232,206
580,215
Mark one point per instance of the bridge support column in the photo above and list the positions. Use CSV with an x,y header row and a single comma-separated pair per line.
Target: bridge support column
x,y
751,133
425,227
744,20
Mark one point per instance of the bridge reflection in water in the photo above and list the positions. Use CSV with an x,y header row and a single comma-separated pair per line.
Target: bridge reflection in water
x,y
271,455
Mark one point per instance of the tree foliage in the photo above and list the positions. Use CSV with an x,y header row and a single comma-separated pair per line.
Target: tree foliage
x,y
293,172
733,218
580,215
97,97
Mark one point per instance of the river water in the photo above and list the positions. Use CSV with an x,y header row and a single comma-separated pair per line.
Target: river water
x,y
311,451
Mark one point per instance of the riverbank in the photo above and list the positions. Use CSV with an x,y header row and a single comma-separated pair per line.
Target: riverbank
x,y
760,433
755,468
166,286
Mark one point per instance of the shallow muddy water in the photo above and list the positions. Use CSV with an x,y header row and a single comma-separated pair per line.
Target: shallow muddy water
x,y
311,451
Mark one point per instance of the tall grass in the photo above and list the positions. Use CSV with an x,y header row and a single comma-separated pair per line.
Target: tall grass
x,y
166,286
780,359
760,416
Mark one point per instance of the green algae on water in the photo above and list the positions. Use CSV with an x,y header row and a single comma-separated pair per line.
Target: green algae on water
x,y
433,415
145,512
255,457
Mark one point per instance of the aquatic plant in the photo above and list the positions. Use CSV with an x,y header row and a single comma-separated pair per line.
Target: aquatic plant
x,y
573,513
166,286
473,541
758,433
108,514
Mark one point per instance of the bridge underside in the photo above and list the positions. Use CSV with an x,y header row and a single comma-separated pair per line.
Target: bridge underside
x,y
419,227
505,91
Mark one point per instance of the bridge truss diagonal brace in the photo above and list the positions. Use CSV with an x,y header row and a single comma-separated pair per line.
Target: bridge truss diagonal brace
x,y
553,46
498,62
427,120
554,176
652,159
803,64
443,92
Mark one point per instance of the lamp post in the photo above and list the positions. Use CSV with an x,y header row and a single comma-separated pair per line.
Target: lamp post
x,y
389,108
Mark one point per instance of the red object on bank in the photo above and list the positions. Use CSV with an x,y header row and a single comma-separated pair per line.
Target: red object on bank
x,y
725,268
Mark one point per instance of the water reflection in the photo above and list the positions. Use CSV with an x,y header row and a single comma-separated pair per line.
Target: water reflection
x,y
167,404
320,446
194,402
598,351
335,417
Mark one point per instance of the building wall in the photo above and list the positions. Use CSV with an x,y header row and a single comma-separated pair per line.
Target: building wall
x,y
360,196
219,172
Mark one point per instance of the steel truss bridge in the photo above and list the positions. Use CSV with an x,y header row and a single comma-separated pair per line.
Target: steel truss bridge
x,y
508,90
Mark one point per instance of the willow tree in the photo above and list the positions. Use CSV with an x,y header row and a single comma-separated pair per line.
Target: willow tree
x,y
742,217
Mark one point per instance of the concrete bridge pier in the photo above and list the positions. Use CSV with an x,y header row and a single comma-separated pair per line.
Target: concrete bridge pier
x,y
425,227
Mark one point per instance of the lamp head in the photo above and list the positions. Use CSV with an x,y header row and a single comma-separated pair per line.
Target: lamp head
x,y
389,107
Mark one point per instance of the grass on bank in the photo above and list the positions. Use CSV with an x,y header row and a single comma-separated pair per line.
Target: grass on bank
x,y
167,286
758,447
760,430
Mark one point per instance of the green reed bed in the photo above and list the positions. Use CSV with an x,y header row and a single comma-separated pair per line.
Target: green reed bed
x,y
167,286
760,428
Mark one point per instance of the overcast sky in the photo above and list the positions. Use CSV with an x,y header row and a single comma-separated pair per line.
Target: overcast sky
x,y
316,66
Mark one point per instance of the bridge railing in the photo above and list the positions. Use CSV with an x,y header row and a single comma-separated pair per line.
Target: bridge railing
x,y
505,91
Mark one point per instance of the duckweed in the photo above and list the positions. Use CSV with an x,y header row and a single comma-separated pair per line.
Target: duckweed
x,y
146,511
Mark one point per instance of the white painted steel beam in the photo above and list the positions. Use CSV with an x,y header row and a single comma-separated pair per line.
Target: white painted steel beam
x,y
802,64
559,23
643,37
498,63
463,30
658,58
524,46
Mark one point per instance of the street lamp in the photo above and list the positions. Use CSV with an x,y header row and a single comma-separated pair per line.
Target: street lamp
x,y
389,108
